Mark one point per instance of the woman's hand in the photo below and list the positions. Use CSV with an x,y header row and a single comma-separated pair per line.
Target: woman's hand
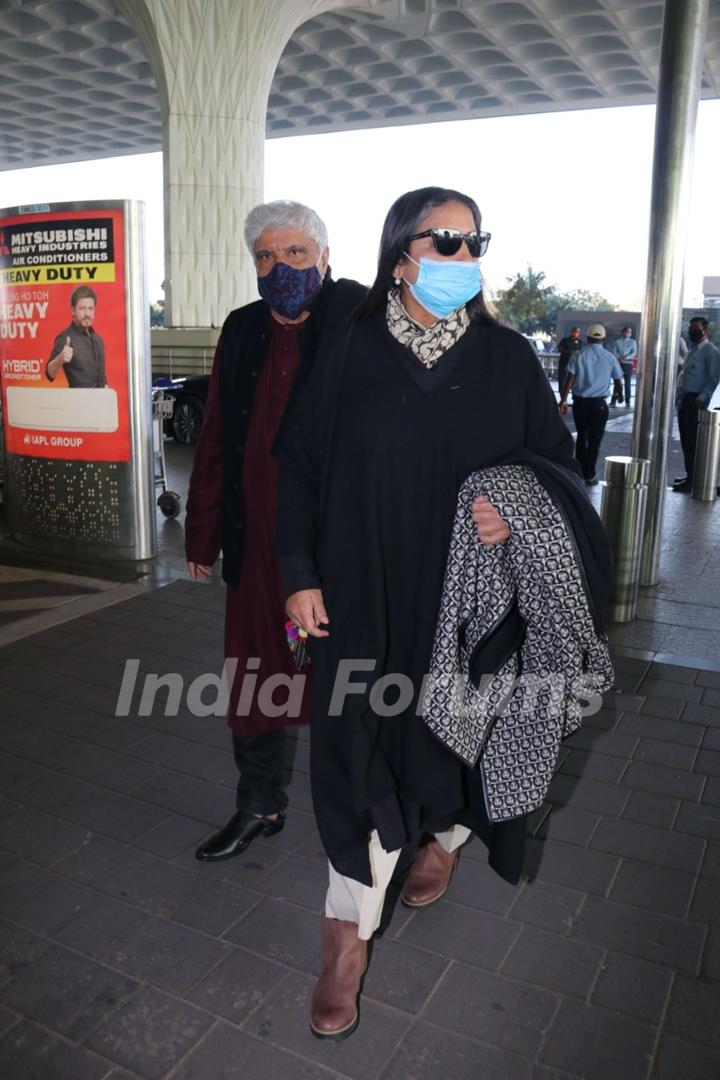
x,y
197,571
491,528
307,610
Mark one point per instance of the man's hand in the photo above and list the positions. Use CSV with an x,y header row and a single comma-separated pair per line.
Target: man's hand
x,y
60,359
700,404
198,572
307,610
67,352
563,407
491,528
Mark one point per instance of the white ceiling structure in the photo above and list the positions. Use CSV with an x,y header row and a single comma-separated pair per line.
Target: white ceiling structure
x,y
75,83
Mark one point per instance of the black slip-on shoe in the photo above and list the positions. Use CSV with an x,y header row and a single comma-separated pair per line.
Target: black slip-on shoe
x,y
240,831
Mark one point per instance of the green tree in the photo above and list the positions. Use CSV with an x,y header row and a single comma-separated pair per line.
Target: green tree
x,y
578,300
157,313
583,300
532,307
524,303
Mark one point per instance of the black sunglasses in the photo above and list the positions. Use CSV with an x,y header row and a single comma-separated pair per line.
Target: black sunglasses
x,y
449,241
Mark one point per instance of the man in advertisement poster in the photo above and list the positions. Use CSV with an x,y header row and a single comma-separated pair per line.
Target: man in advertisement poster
x,y
263,359
78,350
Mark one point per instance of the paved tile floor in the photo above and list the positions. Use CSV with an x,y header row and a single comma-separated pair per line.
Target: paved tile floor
x,y
123,957
32,599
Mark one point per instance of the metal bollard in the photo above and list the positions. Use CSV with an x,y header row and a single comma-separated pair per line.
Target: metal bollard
x,y
705,473
624,501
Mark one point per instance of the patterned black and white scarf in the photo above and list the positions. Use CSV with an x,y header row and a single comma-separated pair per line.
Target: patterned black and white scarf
x,y
427,343
512,721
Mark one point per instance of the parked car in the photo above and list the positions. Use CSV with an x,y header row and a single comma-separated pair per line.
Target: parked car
x,y
536,342
189,395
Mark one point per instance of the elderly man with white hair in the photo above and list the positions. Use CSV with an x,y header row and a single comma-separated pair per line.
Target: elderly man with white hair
x,y
263,358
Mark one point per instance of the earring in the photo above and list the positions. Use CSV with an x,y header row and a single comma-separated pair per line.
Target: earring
x,y
397,280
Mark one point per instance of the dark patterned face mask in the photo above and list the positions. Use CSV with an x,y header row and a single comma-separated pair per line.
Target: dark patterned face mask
x,y
290,291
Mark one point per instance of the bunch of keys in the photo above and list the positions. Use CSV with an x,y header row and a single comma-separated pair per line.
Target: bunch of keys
x,y
297,641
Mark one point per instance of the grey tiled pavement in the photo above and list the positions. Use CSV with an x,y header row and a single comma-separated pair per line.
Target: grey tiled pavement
x,y
123,958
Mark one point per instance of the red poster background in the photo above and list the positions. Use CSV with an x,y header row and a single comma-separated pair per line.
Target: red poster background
x,y
110,324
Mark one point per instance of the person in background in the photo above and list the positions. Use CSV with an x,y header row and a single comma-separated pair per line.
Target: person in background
x,y
262,361
682,353
696,386
625,349
589,375
567,347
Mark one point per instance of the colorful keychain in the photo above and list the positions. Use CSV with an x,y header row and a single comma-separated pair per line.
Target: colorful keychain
x,y
296,638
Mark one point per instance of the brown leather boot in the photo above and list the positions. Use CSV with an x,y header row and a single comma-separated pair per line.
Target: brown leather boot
x,y
334,1013
429,875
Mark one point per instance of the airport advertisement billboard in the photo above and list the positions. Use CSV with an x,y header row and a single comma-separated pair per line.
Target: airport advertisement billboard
x,y
63,334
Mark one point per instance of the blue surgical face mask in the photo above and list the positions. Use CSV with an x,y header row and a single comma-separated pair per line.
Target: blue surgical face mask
x,y
443,286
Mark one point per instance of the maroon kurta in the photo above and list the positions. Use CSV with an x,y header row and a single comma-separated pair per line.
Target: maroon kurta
x,y
255,607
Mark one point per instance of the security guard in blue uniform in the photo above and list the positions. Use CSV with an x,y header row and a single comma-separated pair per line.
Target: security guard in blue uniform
x,y
696,385
590,372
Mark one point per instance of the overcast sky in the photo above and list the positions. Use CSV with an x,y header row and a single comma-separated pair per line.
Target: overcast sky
x,y
567,192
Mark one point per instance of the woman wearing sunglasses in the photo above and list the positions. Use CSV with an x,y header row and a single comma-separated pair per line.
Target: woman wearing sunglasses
x,y
422,389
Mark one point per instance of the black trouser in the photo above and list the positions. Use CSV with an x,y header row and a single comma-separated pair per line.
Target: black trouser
x,y
590,415
260,760
562,369
688,425
627,368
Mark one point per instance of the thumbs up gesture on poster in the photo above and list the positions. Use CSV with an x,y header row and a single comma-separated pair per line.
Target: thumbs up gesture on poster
x,y
67,352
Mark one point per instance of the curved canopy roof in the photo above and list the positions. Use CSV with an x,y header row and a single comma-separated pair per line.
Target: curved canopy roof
x,y
75,83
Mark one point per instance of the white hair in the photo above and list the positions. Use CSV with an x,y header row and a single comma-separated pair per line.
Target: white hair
x,y
284,214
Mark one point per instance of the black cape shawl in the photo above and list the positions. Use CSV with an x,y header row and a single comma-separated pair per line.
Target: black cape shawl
x,y
370,467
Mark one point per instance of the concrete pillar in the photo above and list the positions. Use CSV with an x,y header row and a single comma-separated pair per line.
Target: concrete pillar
x,y
214,63
681,60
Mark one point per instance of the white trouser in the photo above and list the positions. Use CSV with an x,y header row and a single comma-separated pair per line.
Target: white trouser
x,y
351,901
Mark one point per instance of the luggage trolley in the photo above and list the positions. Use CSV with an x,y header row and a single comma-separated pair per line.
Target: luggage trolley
x,y
162,410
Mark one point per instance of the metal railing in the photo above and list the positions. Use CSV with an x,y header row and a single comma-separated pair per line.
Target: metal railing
x,y
175,353
549,361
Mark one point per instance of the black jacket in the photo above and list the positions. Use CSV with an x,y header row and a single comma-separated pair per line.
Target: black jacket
x,y
569,345
239,357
